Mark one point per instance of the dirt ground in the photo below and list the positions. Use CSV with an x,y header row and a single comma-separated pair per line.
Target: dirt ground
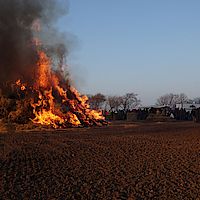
x,y
121,161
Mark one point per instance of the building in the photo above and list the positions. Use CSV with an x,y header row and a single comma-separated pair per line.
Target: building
x,y
187,106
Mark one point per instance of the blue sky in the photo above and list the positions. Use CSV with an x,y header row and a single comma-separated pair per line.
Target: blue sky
x,y
142,46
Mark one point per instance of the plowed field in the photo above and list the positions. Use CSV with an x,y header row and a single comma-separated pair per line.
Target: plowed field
x,y
121,161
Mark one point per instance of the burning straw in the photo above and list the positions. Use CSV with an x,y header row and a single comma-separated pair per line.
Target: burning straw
x,y
34,89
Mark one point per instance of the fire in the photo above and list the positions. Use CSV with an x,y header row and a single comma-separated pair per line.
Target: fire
x,y
21,85
44,111
44,71
50,100
55,103
35,90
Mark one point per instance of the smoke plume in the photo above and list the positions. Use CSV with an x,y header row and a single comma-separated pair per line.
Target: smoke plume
x,y
18,51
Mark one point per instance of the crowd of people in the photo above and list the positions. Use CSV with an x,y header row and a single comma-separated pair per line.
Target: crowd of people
x,y
144,113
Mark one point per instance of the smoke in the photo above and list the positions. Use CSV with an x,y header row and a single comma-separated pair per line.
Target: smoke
x,y
18,53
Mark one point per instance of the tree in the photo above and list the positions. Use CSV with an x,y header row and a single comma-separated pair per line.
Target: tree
x,y
183,98
196,100
114,102
96,101
167,99
129,101
172,99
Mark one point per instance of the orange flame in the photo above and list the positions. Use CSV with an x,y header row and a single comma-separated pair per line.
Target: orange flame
x,y
21,85
44,71
54,102
54,106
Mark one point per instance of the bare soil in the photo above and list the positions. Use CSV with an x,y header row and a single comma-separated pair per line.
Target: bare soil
x,y
121,161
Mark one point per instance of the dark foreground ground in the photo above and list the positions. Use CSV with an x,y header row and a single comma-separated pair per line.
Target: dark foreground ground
x,y
122,161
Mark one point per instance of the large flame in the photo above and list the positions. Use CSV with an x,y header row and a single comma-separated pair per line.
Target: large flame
x,y
55,103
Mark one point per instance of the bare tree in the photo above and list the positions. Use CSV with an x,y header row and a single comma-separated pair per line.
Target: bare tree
x,y
129,101
172,99
196,100
96,101
183,98
167,99
114,102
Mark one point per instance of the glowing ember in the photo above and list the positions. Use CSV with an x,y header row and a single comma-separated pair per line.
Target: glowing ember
x,y
21,85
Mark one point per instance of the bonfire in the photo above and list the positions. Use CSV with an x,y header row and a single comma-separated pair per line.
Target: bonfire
x,y
51,101
48,99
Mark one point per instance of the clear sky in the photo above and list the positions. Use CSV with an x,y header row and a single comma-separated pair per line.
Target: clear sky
x,y
150,47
